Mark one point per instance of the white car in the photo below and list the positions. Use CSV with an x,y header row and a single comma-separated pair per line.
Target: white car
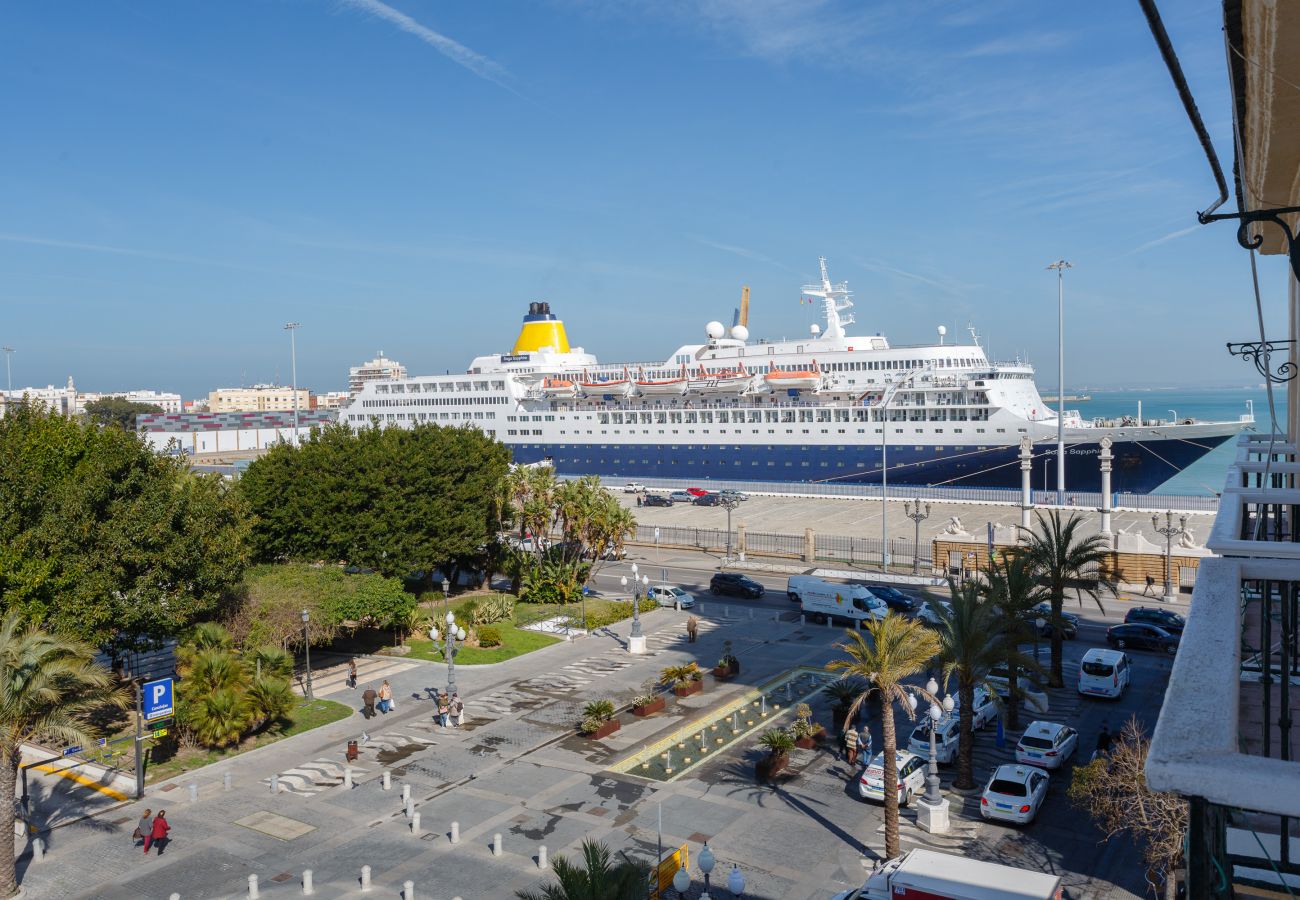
x,y
1047,744
633,487
1014,794
911,778
983,711
946,735
670,595
926,611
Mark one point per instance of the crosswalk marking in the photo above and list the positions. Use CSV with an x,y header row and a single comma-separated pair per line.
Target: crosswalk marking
x,y
313,777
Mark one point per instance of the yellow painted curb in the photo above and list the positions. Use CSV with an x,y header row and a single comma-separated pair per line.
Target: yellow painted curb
x,y
82,780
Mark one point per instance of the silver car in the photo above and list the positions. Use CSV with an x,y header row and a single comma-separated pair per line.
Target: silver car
x,y
670,595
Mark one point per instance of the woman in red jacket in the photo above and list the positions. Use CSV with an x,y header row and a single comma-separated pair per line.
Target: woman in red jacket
x,y
158,833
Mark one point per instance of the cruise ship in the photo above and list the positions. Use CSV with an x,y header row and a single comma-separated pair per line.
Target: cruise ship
x,y
826,408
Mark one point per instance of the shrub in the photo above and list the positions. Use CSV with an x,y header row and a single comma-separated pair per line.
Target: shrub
x,y
845,691
776,741
680,676
490,610
489,637
595,714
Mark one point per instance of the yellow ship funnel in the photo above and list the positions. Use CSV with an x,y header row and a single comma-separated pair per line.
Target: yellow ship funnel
x,y
541,330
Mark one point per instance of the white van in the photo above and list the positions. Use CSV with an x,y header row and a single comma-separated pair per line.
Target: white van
x,y
826,601
1104,673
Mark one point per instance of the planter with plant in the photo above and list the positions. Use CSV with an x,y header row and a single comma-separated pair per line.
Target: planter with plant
x,y
684,680
728,666
778,743
842,694
598,720
648,700
807,733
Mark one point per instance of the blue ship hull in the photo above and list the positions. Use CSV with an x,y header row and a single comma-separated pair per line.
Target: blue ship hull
x,y
1139,467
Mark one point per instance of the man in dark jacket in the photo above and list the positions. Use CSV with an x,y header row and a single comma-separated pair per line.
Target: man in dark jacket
x,y
368,697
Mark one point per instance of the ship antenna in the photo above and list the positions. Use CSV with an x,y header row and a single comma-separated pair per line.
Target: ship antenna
x,y
974,335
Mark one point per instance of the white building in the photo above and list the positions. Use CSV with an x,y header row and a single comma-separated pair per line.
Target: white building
x,y
258,398
330,400
378,369
68,401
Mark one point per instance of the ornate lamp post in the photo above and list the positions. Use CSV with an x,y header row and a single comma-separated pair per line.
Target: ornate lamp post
x,y
932,813
446,592
306,646
706,860
1038,630
917,518
1170,531
636,640
728,503
453,635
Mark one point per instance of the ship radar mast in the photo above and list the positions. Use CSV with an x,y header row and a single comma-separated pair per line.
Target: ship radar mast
x,y
835,299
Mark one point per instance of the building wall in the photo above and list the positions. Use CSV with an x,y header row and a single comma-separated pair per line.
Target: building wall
x,y
260,398
1121,567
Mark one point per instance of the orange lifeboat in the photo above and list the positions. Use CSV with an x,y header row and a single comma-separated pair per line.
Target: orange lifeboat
x,y
662,385
559,387
799,380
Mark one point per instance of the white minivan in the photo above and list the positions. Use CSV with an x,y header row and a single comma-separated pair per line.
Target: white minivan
x,y
1104,673
824,601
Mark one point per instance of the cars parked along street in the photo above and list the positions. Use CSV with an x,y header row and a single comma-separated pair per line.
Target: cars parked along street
x,y
657,500
1141,637
633,487
682,497
1167,619
736,585
708,500
895,599
670,595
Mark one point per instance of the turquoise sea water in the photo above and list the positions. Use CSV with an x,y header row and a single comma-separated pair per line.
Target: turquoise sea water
x,y
1206,476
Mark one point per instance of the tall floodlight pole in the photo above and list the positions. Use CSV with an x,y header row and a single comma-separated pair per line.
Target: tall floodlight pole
x,y
291,327
9,378
1060,266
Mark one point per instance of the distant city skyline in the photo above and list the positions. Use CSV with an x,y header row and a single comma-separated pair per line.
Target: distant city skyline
x,y
410,175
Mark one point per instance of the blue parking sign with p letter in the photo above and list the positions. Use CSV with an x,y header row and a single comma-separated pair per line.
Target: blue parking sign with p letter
x,y
157,699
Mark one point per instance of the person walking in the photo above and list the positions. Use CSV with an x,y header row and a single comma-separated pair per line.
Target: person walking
x,y
368,699
352,674
457,710
692,629
1103,741
385,697
851,745
144,827
444,709
157,833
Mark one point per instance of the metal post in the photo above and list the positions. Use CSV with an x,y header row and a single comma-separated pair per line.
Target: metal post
x,y
9,378
1026,489
917,517
139,740
1106,463
729,503
306,646
884,485
1170,531
1060,266
292,327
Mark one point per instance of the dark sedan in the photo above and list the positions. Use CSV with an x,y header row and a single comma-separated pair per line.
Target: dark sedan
x,y
1144,637
657,500
895,599
736,585
708,500
1167,619
1069,621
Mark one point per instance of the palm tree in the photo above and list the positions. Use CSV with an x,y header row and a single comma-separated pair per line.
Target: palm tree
x,y
1065,557
49,688
596,879
899,648
1012,588
212,700
969,646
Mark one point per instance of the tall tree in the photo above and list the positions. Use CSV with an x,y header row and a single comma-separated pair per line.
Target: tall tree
x,y
106,540
969,647
597,877
118,411
49,687
1065,558
897,649
1012,588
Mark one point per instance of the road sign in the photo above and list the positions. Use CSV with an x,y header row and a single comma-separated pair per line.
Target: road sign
x,y
159,733
661,877
68,751
157,699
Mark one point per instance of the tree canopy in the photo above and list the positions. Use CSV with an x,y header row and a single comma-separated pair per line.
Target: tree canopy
x,y
118,411
394,500
106,540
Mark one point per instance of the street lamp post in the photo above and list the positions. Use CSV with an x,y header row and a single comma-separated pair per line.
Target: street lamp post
x,y
636,640
1060,266
292,327
1038,631
306,646
917,517
707,862
1170,531
446,593
453,635
728,503
937,712
9,378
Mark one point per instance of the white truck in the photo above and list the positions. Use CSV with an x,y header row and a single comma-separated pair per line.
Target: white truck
x,y
825,601
929,875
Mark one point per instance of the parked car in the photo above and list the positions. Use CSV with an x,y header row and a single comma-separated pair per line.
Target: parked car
x,y
736,585
1014,794
1047,744
945,739
682,497
1069,621
1031,691
895,599
696,492
1104,673
657,500
633,487
733,495
983,711
670,595
708,500
1144,637
926,611
911,777
1167,619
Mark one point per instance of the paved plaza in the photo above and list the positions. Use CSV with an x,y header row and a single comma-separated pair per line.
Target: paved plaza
x,y
517,768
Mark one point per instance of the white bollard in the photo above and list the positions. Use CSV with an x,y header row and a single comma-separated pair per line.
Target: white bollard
x,y
365,879
38,850
175,897
406,794
410,808
496,844
252,888
388,780
541,857
275,784
307,887
455,832
347,777
194,792
803,620
751,614
415,824
408,890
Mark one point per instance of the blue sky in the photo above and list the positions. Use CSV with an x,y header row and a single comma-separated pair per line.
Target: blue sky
x,y
180,179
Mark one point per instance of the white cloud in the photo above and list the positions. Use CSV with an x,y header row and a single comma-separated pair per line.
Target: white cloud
x,y
1171,236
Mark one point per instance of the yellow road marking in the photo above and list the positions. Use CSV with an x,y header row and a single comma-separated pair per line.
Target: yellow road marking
x,y
82,780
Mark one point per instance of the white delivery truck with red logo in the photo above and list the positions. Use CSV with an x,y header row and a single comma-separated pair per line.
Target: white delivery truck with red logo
x,y
927,875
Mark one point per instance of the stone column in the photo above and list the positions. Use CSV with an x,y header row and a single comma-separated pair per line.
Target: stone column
x,y
740,541
809,545
1026,492
1106,459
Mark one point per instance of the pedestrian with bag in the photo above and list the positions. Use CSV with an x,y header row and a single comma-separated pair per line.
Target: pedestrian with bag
x,y
158,833
444,709
352,674
385,697
457,710
368,700
143,827
851,745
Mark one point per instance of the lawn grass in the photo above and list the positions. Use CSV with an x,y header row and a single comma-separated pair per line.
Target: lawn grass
x,y
304,717
515,641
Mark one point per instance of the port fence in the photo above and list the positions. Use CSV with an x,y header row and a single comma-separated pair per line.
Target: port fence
x,y
823,547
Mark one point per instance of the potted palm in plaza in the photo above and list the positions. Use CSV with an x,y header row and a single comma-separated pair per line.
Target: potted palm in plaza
x,y
684,680
778,743
842,694
648,700
805,731
728,666
598,720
